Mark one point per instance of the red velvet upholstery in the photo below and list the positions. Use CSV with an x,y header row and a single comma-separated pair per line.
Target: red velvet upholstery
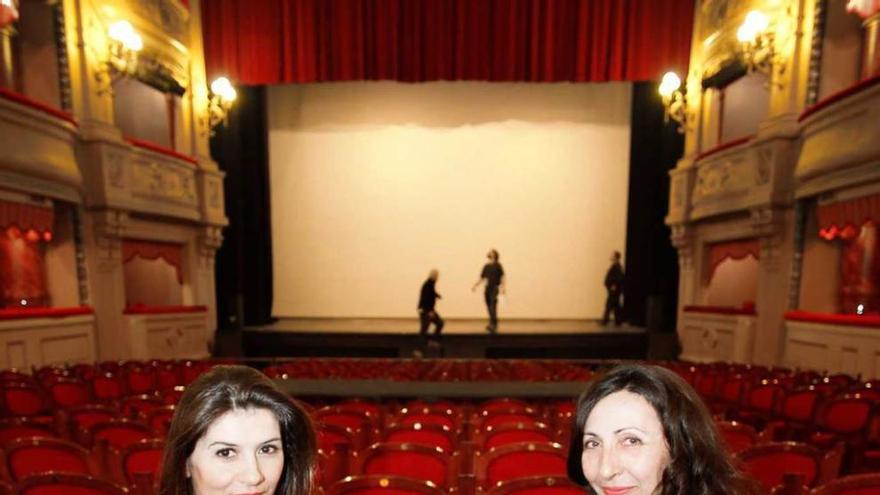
x,y
408,460
538,485
430,435
330,436
29,456
14,428
120,433
107,386
140,379
23,399
768,463
63,484
158,418
136,405
383,485
520,460
142,457
738,436
68,392
862,484
508,433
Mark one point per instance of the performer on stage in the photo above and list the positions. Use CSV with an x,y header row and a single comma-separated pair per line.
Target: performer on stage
x,y
493,274
614,286
427,299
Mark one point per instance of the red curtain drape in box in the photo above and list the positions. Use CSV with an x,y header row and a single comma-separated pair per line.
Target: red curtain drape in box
x,y
26,216
736,250
260,42
844,219
149,250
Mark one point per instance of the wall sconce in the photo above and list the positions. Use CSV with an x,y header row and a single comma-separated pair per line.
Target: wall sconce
x,y
122,55
674,100
757,44
220,99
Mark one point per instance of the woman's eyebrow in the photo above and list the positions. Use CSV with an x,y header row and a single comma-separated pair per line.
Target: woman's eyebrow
x,y
227,444
276,439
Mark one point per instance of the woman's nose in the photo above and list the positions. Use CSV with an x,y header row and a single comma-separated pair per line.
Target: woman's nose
x,y
609,463
251,472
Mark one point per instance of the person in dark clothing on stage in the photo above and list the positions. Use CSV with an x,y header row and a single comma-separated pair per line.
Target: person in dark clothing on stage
x,y
493,275
614,286
427,299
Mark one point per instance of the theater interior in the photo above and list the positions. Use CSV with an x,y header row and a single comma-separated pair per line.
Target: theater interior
x,y
193,183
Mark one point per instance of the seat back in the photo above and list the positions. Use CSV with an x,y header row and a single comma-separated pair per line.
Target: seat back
x,y
68,484
737,436
860,484
68,392
537,485
430,435
144,457
383,485
408,460
520,460
767,463
120,433
29,456
847,415
22,399
508,433
15,428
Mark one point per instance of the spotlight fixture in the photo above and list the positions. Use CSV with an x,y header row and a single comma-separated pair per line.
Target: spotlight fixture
x,y
123,46
220,99
674,100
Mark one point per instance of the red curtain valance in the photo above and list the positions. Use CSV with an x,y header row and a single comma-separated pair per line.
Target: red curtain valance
x,y
735,250
149,250
302,41
844,219
26,216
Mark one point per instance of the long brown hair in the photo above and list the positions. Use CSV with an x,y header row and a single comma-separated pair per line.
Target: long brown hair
x,y
227,388
699,462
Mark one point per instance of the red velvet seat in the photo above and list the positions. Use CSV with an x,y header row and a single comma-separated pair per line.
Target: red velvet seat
x,y
738,436
144,457
430,415
29,456
139,378
81,418
537,485
383,485
768,463
107,386
360,422
520,460
15,428
861,484
797,413
158,418
330,437
120,433
68,392
423,434
507,433
414,461
136,405
168,376
23,399
67,484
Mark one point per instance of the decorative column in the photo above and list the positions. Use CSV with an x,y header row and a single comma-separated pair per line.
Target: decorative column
x,y
773,228
683,240
104,247
8,15
869,10
210,240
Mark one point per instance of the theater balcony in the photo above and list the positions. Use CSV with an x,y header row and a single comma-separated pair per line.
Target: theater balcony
x,y
37,148
840,146
712,333
837,343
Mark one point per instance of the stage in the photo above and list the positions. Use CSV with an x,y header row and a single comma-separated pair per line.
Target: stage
x,y
461,338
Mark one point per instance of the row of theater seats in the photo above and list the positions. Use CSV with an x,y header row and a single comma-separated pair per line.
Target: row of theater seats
x,y
101,426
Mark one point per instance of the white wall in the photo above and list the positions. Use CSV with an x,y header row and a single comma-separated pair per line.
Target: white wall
x,y
733,283
374,184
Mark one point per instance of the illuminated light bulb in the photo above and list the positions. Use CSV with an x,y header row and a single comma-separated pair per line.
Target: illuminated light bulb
x,y
124,33
32,236
860,309
756,22
47,236
223,88
670,83
24,302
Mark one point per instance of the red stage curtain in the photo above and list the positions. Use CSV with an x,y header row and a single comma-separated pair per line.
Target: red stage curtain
x,y
171,253
860,272
736,250
258,42
26,217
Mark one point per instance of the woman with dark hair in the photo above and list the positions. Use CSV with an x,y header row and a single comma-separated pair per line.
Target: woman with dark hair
x,y
234,431
642,430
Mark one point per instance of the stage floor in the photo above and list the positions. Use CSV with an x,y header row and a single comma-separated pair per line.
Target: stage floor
x,y
403,326
464,338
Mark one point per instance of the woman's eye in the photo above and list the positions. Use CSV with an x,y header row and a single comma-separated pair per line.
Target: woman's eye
x,y
591,444
225,453
632,441
268,449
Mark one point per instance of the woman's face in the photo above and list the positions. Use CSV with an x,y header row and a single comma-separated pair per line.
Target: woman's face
x,y
240,453
625,451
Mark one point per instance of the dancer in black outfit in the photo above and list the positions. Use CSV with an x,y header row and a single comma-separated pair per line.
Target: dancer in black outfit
x,y
493,274
614,285
427,313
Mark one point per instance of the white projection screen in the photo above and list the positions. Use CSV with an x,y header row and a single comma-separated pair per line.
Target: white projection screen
x,y
373,184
